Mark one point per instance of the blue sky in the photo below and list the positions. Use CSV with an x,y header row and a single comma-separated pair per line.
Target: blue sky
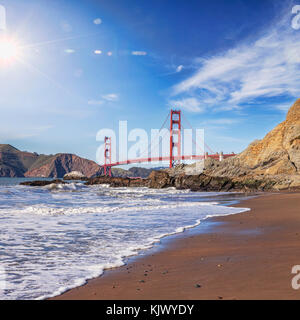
x,y
231,66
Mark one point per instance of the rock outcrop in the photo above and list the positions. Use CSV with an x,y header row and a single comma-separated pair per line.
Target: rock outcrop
x,y
202,182
118,182
75,175
160,179
132,172
42,183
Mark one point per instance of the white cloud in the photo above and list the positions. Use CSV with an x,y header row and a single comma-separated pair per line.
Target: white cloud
x,y
111,97
69,51
188,104
267,67
97,21
296,19
283,107
179,68
139,53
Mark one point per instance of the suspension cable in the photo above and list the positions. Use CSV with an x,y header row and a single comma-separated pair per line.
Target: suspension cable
x,y
150,145
193,139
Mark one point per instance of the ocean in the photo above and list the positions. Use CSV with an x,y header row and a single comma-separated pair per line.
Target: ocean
x,y
54,238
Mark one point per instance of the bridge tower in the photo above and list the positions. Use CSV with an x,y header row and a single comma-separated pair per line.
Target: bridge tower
x,y
107,156
175,131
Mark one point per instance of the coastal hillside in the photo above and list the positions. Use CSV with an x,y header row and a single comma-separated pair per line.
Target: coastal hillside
x,y
276,157
13,162
279,151
16,163
60,164
132,172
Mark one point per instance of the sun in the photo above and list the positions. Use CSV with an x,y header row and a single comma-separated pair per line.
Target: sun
x,y
9,50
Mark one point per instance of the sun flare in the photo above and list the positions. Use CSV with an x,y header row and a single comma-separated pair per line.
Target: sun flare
x,y
9,50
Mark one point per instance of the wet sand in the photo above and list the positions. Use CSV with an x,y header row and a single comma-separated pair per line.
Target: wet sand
x,y
244,256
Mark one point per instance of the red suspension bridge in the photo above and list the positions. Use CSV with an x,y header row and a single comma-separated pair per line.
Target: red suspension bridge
x,y
175,155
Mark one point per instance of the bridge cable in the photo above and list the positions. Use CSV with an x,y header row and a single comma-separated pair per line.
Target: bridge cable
x,y
196,144
207,146
150,146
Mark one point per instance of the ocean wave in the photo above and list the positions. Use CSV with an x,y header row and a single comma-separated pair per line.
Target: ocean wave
x,y
56,239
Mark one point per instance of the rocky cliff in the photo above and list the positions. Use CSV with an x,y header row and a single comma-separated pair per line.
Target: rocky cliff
x,y
275,158
279,152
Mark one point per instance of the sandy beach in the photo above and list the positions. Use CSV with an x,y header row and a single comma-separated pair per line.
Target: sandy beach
x,y
244,256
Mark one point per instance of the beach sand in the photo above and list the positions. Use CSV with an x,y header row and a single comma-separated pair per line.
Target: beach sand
x,y
244,256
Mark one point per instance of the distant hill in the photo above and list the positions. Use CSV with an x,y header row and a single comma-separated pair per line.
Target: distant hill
x,y
58,165
133,172
16,163
13,162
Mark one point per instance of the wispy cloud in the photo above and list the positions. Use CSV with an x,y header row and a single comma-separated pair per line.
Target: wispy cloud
x,y
283,107
179,68
97,21
139,53
267,67
69,51
111,97
188,104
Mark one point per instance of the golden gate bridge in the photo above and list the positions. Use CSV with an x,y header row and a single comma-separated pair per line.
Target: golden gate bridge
x,y
175,143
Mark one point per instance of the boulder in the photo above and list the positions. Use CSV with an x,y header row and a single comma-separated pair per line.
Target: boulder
x,y
160,179
75,175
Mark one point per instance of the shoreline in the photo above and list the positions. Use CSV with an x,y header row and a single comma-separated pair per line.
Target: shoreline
x,y
237,256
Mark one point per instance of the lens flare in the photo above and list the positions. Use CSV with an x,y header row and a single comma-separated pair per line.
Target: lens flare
x,y
9,50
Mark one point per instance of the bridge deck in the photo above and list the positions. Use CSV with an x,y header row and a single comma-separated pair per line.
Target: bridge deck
x,y
175,158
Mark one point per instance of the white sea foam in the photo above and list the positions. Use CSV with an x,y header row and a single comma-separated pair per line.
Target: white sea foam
x,y
56,237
